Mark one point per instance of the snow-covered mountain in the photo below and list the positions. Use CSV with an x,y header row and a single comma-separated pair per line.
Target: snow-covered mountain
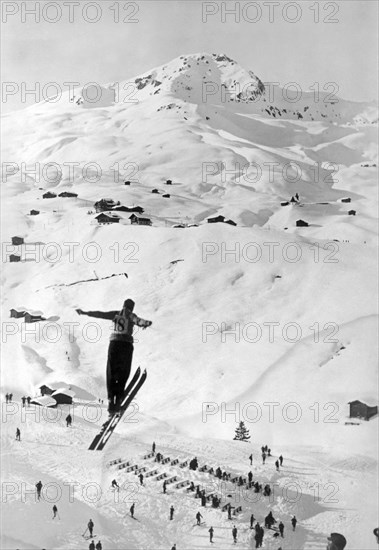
x,y
263,311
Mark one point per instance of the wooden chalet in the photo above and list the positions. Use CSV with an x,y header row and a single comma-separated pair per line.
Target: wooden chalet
x,y
137,220
105,218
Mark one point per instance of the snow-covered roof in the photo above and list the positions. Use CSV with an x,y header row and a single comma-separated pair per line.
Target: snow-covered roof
x,y
45,401
63,391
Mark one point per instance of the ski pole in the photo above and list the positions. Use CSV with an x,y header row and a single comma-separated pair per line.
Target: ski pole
x,y
85,532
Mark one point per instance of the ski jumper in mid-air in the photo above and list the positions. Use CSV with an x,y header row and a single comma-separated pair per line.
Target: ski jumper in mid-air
x,y
120,351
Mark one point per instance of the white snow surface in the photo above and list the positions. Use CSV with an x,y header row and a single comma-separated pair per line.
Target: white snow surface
x,y
302,302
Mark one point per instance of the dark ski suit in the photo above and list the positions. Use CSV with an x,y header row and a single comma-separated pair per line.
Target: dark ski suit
x,y
120,350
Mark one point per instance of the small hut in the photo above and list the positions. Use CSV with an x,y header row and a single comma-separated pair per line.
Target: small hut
x,y
105,204
45,390
107,218
302,223
216,219
361,410
67,194
34,212
17,312
137,209
136,220
63,396
17,241
33,317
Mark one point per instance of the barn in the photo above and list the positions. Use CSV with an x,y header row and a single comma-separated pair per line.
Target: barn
x,y
302,223
361,410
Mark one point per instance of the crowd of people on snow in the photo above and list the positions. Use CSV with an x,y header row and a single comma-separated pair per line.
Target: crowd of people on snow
x,y
336,541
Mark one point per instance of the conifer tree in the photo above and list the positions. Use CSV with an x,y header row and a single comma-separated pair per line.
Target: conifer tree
x,y
242,433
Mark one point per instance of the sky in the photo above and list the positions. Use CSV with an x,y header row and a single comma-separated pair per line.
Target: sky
x,y
279,41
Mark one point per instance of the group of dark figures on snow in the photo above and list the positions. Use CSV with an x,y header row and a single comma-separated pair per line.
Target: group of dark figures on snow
x,y
336,541
92,546
193,464
24,400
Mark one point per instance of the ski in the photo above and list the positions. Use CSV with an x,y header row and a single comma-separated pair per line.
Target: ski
x,y
116,419
107,424
108,427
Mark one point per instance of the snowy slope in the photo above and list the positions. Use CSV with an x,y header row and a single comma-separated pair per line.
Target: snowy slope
x,y
227,142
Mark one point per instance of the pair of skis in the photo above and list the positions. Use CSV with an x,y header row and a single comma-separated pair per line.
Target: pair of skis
x,y
109,426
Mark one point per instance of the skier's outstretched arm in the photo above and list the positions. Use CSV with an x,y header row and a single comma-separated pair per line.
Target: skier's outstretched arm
x,y
98,314
140,322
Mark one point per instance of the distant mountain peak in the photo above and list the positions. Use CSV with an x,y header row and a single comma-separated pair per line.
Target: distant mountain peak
x,y
198,76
